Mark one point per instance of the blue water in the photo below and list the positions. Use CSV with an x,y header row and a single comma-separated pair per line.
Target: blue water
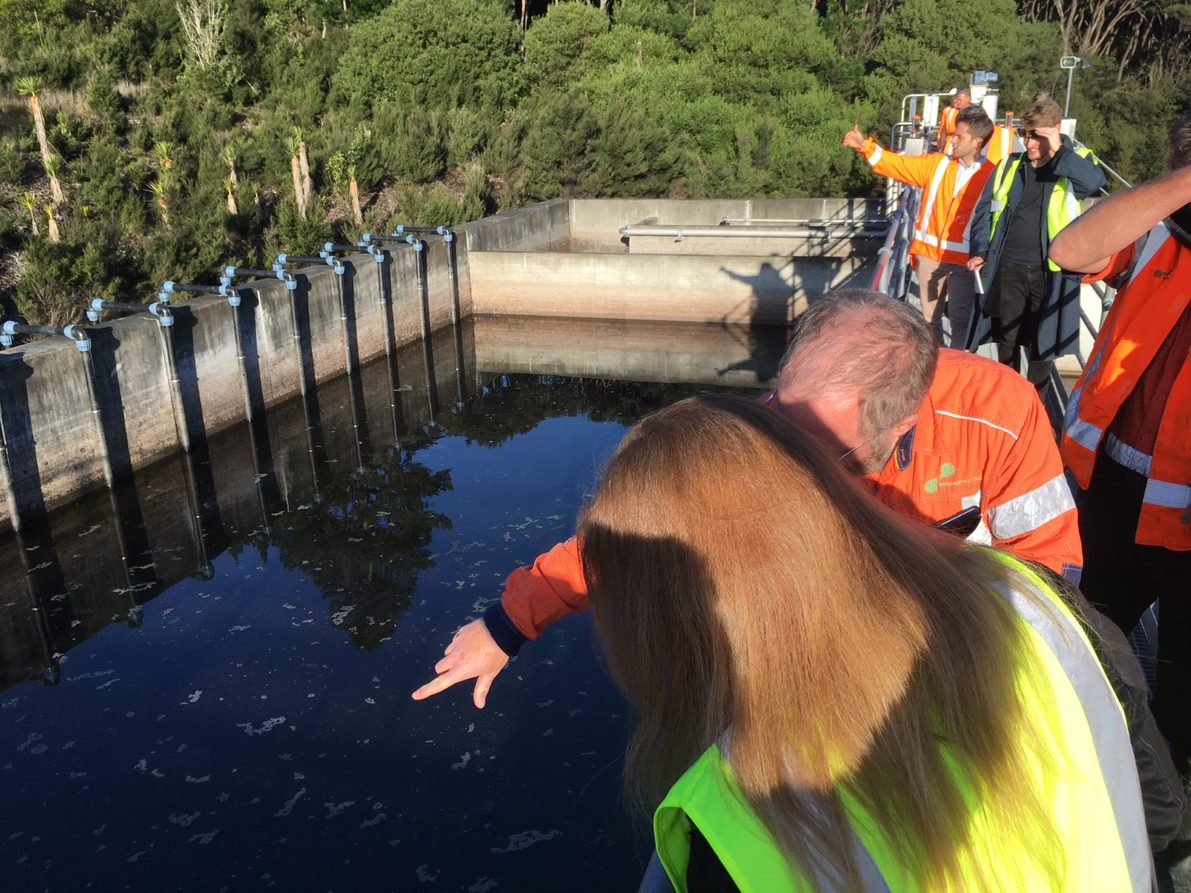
x,y
248,726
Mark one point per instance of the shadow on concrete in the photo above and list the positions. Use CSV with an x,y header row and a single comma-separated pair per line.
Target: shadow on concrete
x,y
258,422
765,351
385,291
17,431
128,521
315,442
347,290
210,534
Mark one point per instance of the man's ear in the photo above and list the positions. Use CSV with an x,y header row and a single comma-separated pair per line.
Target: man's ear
x,y
905,424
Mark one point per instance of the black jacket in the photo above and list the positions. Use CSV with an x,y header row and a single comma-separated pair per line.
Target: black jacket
x,y
1058,328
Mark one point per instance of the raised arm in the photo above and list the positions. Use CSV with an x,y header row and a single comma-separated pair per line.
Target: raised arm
x,y
1082,171
1118,221
914,170
535,597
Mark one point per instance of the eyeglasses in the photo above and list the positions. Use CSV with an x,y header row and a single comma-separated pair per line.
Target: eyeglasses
x,y
844,456
1030,135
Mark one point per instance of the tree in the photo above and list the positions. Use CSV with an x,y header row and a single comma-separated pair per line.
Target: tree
x,y
52,228
230,188
203,24
30,88
293,143
304,167
228,154
53,170
29,200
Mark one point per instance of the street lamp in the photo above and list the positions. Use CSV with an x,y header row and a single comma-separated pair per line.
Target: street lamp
x,y
1070,63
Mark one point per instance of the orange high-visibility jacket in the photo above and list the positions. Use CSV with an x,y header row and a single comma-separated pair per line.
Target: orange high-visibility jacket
x,y
947,122
999,145
982,439
949,195
1157,293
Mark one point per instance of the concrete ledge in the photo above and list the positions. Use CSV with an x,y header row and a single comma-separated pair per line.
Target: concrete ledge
x,y
713,240
750,290
596,223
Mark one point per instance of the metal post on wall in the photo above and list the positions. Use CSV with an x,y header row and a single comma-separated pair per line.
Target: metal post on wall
x,y
337,265
304,383
230,274
448,237
234,300
449,240
160,311
82,342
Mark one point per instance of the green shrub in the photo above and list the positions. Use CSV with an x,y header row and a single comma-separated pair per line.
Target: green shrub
x,y
434,53
557,43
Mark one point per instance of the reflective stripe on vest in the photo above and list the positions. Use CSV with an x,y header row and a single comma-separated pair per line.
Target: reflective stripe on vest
x,y
921,232
1123,454
709,796
928,206
1062,208
1167,495
1085,434
1030,511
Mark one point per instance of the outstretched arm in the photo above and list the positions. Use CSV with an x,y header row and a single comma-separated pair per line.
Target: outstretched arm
x,y
535,597
1118,221
472,654
914,170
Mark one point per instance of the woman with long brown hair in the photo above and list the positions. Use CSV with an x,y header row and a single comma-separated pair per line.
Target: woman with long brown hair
x,y
831,697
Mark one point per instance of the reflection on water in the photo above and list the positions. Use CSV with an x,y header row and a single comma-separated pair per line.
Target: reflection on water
x,y
206,673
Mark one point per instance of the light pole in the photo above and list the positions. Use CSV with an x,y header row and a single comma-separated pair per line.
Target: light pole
x,y
1070,63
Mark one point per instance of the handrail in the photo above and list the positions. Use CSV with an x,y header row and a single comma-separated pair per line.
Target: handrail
x,y
1100,161
891,276
880,280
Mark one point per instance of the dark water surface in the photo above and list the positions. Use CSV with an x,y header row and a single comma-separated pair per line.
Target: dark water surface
x,y
206,674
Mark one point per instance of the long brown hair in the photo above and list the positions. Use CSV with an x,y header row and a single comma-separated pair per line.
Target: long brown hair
x,y
741,582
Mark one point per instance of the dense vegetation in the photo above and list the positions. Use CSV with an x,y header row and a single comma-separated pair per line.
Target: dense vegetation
x,y
165,138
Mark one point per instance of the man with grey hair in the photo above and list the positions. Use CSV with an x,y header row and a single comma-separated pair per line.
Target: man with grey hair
x,y
943,436
950,438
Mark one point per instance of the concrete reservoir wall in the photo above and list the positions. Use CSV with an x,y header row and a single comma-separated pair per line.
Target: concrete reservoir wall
x,y
561,259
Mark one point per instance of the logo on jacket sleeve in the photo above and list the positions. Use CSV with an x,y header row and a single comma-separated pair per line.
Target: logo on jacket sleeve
x,y
947,471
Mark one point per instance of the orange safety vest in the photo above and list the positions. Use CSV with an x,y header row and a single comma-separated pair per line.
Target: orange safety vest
x,y
950,194
1000,144
1147,308
983,440
947,125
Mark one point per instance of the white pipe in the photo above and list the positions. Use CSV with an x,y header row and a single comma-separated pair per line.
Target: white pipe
x,y
679,232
